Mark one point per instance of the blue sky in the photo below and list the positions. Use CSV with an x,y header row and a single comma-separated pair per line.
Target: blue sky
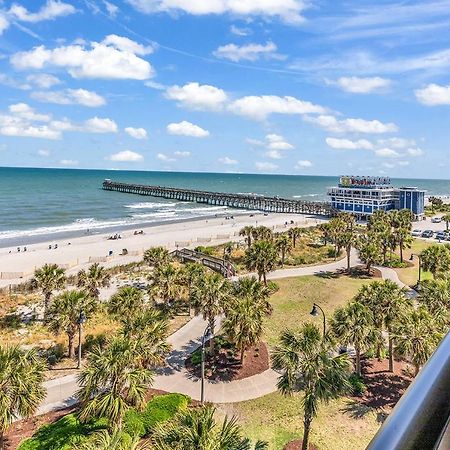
x,y
261,86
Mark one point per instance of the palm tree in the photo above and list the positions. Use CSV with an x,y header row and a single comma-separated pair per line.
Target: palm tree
x,y
404,239
49,278
93,279
210,296
262,257
248,233
113,381
166,283
157,256
435,259
117,440
63,314
262,233
353,324
369,249
435,296
284,245
446,219
21,390
245,314
189,275
417,336
294,233
126,303
308,364
197,429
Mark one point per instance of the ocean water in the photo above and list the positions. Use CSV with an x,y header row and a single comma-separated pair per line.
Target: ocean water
x,y
38,203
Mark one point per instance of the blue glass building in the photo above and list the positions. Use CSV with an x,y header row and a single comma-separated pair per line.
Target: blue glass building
x,y
363,196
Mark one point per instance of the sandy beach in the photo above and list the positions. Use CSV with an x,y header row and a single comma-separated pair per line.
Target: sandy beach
x,y
77,253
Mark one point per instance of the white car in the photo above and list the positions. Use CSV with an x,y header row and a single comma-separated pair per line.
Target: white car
x,y
436,220
416,233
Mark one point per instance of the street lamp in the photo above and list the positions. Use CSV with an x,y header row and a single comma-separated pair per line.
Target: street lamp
x,y
411,258
314,312
202,391
81,320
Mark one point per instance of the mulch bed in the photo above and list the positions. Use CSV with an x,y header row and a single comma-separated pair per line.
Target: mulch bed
x,y
297,445
222,367
361,272
384,388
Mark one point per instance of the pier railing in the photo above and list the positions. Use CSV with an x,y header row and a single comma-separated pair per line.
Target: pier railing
x,y
241,201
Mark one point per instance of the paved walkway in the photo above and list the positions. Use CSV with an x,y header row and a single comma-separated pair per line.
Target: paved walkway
x,y
175,378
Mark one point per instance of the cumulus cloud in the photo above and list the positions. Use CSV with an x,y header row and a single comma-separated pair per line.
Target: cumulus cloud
x,y
70,97
274,154
136,133
99,125
248,52
26,112
434,94
127,45
266,166
24,130
334,125
347,144
196,96
254,142
387,153
396,142
126,156
164,157
359,85
239,31
415,151
110,59
260,107
228,161
277,142
182,154
186,128
303,164
43,80
51,10
289,11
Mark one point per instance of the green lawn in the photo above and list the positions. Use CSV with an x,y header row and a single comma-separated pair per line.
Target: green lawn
x,y
409,275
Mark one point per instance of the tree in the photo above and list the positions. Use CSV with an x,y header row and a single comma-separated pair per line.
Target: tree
x,y
436,203
334,232
262,233
117,440
126,303
166,283
283,245
244,316
93,279
262,257
307,362
21,390
157,256
369,249
446,219
49,278
435,296
294,233
190,274
113,381
63,314
210,296
353,324
404,239
248,233
435,259
197,429
417,337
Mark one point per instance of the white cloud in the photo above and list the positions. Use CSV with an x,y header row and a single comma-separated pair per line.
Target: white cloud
x,y
266,166
303,164
254,142
415,151
290,11
277,142
186,128
183,154
126,156
396,142
359,85
387,153
137,133
248,52
68,162
24,130
64,125
332,124
164,157
4,24
43,80
111,8
44,152
259,107
196,96
70,97
239,31
434,94
347,144
274,154
228,161
26,112
100,60
99,125
51,10
126,45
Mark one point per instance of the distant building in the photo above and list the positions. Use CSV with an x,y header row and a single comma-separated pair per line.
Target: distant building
x,y
363,196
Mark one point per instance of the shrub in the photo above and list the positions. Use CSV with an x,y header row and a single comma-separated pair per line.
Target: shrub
x,y
358,386
133,424
93,341
196,357
54,354
205,250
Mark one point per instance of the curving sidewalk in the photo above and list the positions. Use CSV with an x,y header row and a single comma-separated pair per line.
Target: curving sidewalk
x,y
175,378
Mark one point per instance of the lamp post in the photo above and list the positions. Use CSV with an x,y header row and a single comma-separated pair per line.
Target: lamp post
x,y
411,258
202,391
81,320
314,312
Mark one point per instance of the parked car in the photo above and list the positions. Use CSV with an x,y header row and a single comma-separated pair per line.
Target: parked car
x,y
416,233
427,234
436,220
441,236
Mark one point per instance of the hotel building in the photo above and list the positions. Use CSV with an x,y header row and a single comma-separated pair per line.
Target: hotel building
x,y
362,196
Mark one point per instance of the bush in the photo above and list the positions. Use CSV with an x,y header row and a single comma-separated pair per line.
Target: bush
x,y
63,434
358,386
133,424
93,341
196,357
206,250
54,354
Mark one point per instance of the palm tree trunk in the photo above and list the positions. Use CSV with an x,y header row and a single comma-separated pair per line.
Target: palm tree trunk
x,y
2,441
211,341
264,278
70,346
283,255
46,302
242,355
391,354
358,360
401,251
348,258
416,369
306,429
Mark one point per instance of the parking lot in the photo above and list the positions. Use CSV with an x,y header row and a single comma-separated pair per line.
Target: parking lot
x,y
438,230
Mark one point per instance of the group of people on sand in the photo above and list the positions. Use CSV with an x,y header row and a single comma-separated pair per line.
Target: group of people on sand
x,y
114,237
138,232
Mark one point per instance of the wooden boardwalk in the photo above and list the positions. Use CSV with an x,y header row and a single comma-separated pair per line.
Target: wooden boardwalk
x,y
241,201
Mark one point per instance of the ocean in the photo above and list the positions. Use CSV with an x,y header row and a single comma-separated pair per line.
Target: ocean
x,y
36,204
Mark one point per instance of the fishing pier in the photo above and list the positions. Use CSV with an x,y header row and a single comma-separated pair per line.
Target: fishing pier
x,y
240,201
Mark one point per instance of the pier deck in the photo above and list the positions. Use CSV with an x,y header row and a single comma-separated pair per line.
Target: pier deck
x,y
240,201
